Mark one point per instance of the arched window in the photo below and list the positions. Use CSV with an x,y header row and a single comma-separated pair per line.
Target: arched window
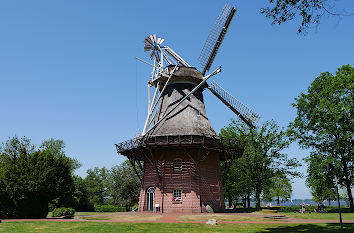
x,y
177,195
150,198
177,164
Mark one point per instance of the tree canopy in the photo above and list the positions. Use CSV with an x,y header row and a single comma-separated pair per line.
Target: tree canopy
x,y
319,178
324,122
125,187
31,178
262,159
97,182
311,12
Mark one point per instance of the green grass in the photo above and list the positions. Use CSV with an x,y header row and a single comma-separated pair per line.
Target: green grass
x,y
219,217
135,217
86,213
28,227
332,216
94,213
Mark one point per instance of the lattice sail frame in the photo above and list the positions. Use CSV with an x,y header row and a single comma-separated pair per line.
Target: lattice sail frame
x,y
160,55
215,37
249,116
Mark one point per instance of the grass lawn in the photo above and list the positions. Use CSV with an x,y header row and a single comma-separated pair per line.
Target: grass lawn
x,y
135,217
94,213
219,217
333,216
86,213
27,227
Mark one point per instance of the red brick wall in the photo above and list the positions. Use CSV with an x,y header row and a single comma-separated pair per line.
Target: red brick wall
x,y
199,180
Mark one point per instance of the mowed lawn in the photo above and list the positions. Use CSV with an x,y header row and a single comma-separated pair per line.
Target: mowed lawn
x,y
331,216
86,213
135,217
27,227
219,217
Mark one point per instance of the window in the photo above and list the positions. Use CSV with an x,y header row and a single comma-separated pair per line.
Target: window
x,y
177,195
177,164
150,199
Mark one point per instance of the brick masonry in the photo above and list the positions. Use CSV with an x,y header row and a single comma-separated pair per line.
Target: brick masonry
x,y
199,180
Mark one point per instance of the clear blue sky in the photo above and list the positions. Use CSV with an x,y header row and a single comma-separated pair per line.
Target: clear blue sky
x,y
67,68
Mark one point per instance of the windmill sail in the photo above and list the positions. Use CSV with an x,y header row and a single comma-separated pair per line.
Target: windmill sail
x,y
246,114
215,37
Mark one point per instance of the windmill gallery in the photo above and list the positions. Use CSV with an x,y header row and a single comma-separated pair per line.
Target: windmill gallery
x,y
178,151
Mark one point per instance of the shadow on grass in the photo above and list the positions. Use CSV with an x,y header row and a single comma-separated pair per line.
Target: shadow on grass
x,y
241,210
328,227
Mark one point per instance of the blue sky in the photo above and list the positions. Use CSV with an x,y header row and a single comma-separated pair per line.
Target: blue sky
x,y
67,68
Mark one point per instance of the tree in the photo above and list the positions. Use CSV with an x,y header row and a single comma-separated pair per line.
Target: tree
x,y
236,183
76,196
80,195
97,182
320,179
30,179
125,187
310,11
324,122
263,157
280,189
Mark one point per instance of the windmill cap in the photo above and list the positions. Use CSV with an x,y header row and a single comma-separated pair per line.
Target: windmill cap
x,y
181,75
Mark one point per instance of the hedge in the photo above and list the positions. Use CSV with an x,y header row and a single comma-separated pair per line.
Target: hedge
x,y
329,209
63,212
110,208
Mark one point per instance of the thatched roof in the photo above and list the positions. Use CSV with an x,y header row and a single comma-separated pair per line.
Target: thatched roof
x,y
189,118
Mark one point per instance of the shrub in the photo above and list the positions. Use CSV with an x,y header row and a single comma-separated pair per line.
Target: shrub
x,y
63,212
110,208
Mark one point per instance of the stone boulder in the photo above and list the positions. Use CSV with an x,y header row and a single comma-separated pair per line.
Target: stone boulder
x,y
211,222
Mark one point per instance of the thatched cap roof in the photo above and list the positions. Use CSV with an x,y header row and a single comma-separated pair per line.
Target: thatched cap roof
x,y
186,74
189,118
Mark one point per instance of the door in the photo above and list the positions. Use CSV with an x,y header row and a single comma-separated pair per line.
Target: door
x,y
150,199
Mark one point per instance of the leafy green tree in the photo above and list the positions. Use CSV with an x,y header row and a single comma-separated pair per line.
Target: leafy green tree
x,y
97,182
57,148
80,195
310,11
30,179
125,187
325,123
263,157
320,179
236,183
76,195
280,189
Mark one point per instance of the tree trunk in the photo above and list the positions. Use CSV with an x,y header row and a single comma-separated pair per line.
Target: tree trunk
x,y
258,199
329,202
230,202
350,196
244,201
248,201
347,184
278,200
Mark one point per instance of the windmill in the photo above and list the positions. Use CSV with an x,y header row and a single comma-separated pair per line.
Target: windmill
x,y
180,151
165,55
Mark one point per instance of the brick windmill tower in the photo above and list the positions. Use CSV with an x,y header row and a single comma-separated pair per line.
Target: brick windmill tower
x,y
178,148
